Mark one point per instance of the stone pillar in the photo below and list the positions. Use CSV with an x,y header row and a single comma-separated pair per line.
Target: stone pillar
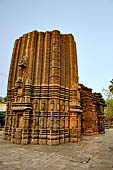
x,y
62,89
73,93
44,90
10,90
54,90
67,87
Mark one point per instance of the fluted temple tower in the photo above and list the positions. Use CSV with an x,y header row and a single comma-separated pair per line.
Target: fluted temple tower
x,y
43,98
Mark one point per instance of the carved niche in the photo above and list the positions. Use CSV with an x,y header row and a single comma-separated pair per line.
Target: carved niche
x,y
23,62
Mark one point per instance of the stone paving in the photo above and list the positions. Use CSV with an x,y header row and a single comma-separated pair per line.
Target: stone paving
x,y
92,153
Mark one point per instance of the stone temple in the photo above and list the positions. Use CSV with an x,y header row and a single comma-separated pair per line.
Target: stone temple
x,y
45,102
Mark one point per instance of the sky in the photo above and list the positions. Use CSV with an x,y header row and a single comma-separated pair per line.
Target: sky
x,y
90,21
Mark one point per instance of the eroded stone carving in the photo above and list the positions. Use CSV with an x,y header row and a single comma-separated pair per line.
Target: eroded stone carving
x,y
23,62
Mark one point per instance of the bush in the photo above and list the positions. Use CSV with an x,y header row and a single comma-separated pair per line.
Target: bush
x,y
109,109
2,119
109,102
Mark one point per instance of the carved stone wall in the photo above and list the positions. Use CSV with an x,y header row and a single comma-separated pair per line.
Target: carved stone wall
x,y
43,98
93,112
99,108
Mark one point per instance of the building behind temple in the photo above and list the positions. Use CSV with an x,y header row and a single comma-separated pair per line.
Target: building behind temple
x,y
45,102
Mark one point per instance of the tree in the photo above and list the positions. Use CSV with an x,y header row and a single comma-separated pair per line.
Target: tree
x,y
111,86
109,99
107,94
2,114
2,99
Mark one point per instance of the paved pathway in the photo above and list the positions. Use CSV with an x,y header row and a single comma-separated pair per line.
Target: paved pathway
x,y
92,153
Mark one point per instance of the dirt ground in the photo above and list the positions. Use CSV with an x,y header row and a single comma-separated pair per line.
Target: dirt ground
x,y
92,153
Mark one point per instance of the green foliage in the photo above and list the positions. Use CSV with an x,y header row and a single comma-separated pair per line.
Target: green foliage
x,y
109,109
109,99
111,86
2,118
2,99
107,94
